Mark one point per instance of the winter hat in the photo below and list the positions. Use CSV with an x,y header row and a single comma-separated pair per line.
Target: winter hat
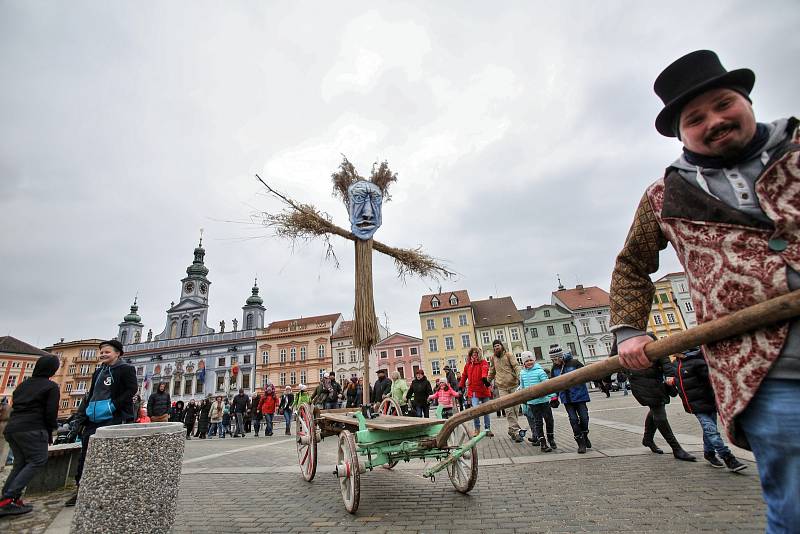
x,y
302,387
527,356
46,366
555,351
117,346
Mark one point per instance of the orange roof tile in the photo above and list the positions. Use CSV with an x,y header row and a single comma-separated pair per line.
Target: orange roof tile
x,y
495,311
444,301
345,330
305,321
583,297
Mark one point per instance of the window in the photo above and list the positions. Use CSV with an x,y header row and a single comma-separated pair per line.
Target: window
x,y
398,353
592,349
321,351
664,298
551,331
321,374
465,341
220,381
431,324
452,363
76,403
173,330
453,300
352,356
302,354
341,357
184,328
688,306
187,387
546,313
514,334
435,302
537,351
246,380
124,337
283,355
519,357
534,332
234,359
435,367
246,359
81,386
248,323
68,387
265,357
140,371
566,328
571,346
586,329
70,369
671,318
682,287
64,404
603,327
657,319
448,343
414,369
446,322
176,387
608,346
462,319
221,362
501,335
655,299
303,377
283,379
195,327
292,354
432,345
292,378
402,371
413,351
485,337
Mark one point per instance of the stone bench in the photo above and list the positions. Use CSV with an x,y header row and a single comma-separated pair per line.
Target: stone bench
x,y
62,463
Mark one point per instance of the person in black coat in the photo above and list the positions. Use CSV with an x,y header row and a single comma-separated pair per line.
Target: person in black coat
x,y
189,417
176,413
381,388
420,389
649,389
114,381
689,374
29,430
159,404
203,419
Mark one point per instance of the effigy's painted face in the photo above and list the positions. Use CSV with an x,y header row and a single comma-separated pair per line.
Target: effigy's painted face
x,y
365,200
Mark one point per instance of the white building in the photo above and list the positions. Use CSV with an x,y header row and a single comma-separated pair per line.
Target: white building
x,y
591,311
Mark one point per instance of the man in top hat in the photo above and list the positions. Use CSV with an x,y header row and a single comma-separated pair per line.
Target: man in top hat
x,y
730,207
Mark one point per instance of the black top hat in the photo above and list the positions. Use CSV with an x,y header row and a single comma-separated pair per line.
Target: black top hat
x,y
689,76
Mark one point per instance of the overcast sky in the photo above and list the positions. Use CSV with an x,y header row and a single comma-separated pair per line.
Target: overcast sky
x,y
522,134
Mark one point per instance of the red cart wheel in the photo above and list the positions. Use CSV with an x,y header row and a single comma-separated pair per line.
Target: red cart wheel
x,y
306,436
464,471
348,470
389,406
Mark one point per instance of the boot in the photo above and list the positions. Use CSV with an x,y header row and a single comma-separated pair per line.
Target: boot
x,y
581,444
288,432
672,441
649,432
586,440
733,464
712,459
551,440
543,444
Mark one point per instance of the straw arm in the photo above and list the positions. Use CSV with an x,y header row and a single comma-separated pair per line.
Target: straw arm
x,y
754,317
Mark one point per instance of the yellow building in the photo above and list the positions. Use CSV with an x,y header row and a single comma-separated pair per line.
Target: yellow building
x,y
78,362
448,331
665,313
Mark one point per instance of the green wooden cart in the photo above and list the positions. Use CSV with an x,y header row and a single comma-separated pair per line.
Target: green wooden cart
x,y
383,441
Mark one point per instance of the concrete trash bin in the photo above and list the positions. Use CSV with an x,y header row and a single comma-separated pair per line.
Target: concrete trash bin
x,y
130,479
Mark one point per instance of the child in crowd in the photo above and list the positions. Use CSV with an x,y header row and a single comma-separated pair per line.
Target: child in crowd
x,y
444,397
537,411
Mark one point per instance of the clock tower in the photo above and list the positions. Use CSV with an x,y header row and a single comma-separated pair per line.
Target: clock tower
x,y
189,316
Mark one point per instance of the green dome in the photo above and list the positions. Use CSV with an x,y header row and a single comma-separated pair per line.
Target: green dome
x,y
254,299
133,317
197,267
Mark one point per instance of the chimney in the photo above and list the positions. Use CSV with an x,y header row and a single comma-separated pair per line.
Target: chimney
x,y
527,307
62,340
490,297
579,287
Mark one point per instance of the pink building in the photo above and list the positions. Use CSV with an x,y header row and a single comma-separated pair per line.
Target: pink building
x,y
398,352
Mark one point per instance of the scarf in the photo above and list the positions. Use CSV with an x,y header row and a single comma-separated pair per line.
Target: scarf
x,y
753,148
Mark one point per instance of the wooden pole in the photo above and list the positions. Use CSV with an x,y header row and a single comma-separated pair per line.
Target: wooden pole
x,y
754,317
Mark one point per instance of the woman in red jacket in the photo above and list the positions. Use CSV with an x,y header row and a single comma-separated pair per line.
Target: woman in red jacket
x,y
475,376
268,404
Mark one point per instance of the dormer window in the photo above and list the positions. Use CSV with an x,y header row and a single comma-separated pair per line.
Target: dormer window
x,y
435,302
453,300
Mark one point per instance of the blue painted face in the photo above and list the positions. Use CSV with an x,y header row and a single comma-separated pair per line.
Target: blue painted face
x,y
365,200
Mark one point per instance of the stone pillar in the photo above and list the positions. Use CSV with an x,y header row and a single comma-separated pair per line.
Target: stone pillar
x,y
130,479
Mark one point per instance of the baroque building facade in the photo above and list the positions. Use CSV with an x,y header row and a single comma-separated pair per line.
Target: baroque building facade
x,y
448,330
397,353
78,362
193,359
348,362
498,319
549,324
591,309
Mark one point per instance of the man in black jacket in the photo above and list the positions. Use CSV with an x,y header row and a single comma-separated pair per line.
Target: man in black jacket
x,y
29,431
113,380
420,390
381,388
689,373
158,404
240,403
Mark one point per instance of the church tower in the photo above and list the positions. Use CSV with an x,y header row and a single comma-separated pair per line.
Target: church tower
x,y
130,329
189,316
253,310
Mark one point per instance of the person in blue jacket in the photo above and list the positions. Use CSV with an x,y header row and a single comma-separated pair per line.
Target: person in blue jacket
x,y
574,398
537,411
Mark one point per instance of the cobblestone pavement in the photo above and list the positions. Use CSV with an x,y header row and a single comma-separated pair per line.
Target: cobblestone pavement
x,y
45,508
254,485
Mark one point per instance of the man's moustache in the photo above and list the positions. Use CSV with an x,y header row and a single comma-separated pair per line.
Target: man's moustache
x,y
720,128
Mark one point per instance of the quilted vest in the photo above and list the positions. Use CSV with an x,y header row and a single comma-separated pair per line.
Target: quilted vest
x,y
733,261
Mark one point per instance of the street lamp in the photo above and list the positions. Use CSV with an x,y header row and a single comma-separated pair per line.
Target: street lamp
x,y
580,347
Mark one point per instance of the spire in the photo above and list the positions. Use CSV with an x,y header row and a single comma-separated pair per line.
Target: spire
x,y
133,316
560,285
198,268
254,299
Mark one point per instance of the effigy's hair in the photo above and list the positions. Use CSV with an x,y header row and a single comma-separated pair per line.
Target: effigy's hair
x,y
346,175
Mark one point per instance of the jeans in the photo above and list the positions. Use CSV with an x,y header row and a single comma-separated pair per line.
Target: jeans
x,y
331,405
257,424
30,455
539,416
578,417
712,441
239,424
422,410
287,418
771,423
487,422
268,424
189,427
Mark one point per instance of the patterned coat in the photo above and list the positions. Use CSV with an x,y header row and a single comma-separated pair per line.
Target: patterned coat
x,y
731,262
